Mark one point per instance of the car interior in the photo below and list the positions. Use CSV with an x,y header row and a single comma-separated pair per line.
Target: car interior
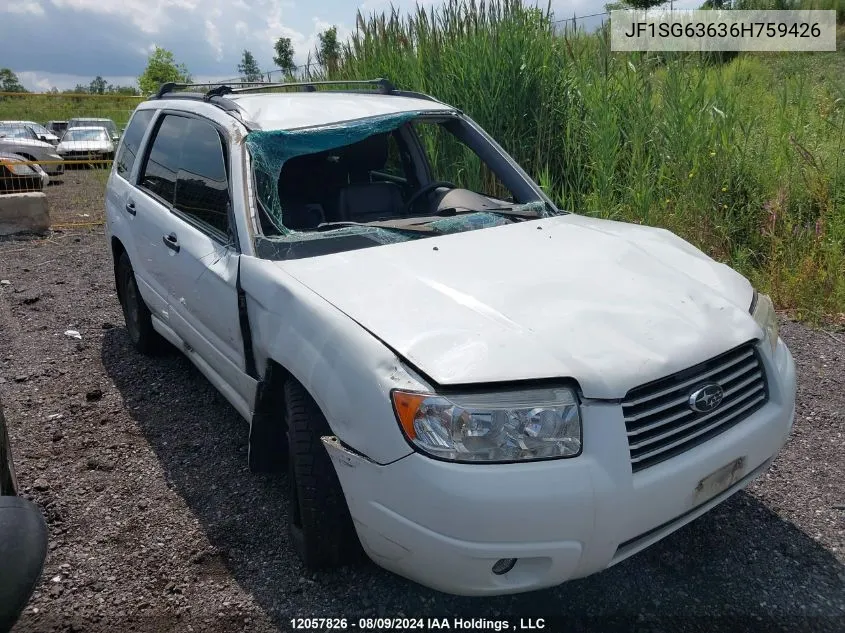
x,y
342,185
391,176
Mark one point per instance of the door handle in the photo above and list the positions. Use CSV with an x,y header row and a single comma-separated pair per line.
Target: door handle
x,y
171,242
130,208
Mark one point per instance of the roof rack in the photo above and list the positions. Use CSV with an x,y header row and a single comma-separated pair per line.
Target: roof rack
x,y
384,86
218,90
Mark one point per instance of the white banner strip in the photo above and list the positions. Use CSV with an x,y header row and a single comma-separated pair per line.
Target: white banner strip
x,y
722,30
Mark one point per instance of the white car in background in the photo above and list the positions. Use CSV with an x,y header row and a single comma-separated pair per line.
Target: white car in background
x,y
24,142
40,131
488,394
86,143
108,124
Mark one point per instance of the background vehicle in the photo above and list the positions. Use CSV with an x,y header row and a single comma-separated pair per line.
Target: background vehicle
x,y
488,394
86,143
57,127
110,125
23,142
23,539
17,175
41,132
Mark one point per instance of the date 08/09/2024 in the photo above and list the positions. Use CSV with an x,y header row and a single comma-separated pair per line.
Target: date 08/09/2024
x,y
417,624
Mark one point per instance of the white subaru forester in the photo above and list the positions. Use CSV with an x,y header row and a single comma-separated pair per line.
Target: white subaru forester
x,y
484,393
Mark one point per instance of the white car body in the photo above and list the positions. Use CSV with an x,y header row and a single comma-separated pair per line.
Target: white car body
x,y
42,132
108,124
91,148
34,150
606,306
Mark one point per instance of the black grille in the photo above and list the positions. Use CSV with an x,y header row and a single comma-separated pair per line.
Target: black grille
x,y
81,155
659,421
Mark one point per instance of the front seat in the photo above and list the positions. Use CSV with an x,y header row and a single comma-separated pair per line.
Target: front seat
x,y
300,210
363,200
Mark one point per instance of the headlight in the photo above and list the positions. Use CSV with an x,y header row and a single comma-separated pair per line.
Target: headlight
x,y
492,427
763,311
19,169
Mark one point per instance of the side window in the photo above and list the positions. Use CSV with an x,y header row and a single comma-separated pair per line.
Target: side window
x,y
159,175
132,141
202,189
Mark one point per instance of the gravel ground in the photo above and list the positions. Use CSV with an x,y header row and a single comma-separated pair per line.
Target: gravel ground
x,y
157,525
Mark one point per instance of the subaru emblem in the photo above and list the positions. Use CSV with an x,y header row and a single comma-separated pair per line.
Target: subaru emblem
x,y
706,398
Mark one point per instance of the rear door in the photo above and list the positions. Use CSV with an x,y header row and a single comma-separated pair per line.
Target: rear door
x,y
192,250
121,200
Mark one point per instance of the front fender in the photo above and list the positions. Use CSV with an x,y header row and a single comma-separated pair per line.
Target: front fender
x,y
347,371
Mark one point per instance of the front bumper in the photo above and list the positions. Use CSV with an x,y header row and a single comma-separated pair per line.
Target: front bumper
x,y
444,525
54,168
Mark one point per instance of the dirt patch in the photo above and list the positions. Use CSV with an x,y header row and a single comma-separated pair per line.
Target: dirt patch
x,y
157,525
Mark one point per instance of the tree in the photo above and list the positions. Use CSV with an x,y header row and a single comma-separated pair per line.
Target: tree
x,y
645,4
9,81
98,86
162,68
122,90
284,55
249,68
328,50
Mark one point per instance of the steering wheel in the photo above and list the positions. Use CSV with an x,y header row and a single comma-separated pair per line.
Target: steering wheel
x,y
427,189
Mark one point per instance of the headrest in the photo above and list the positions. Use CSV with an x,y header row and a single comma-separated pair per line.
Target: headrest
x,y
367,155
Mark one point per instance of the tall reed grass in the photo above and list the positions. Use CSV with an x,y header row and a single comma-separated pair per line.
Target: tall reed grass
x,y
744,159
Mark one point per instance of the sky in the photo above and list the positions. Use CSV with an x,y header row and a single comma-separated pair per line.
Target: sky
x,y
65,42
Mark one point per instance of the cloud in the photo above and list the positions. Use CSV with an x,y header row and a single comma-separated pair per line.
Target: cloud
x,y
212,34
22,6
148,15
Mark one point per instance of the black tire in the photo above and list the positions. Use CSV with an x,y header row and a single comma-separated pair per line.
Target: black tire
x,y
136,314
319,523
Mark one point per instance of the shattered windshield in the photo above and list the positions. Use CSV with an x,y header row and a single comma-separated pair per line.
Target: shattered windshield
x,y
382,180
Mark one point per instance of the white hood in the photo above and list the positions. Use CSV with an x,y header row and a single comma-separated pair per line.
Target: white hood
x,y
609,304
10,142
85,146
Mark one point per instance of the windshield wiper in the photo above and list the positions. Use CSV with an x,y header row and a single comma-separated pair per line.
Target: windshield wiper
x,y
397,225
506,211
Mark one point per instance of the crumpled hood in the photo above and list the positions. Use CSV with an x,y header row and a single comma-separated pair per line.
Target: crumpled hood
x,y
609,304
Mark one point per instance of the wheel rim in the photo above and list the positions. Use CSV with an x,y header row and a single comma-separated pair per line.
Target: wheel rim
x,y
131,310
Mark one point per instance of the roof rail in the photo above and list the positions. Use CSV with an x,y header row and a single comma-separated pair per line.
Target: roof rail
x,y
216,89
385,86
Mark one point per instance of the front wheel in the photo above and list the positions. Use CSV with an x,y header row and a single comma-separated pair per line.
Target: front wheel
x,y
319,522
136,314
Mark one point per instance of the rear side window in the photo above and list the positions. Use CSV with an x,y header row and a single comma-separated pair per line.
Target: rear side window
x,y
132,141
159,175
186,169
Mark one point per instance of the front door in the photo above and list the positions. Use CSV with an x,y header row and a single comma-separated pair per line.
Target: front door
x,y
196,255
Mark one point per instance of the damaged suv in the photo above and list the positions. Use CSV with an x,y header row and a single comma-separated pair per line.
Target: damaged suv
x,y
480,391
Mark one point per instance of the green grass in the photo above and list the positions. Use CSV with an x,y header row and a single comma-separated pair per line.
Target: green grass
x,y
744,159
61,107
